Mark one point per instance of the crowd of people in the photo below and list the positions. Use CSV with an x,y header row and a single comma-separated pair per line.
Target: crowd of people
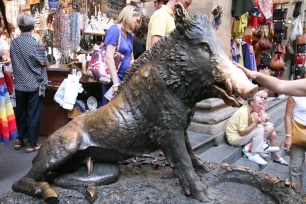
x,y
249,126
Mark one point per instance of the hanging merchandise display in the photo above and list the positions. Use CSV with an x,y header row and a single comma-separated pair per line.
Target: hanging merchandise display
x,y
12,11
266,31
66,34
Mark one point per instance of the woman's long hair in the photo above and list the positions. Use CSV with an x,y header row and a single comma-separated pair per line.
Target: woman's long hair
x,y
6,23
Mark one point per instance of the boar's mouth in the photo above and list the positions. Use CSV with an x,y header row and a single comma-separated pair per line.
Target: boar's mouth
x,y
228,94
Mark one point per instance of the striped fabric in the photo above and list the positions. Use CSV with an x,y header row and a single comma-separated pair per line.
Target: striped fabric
x,y
28,60
8,128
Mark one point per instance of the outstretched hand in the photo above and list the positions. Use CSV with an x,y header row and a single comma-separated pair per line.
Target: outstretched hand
x,y
248,73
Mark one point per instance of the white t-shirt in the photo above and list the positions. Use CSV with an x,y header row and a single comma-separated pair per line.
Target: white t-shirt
x,y
299,110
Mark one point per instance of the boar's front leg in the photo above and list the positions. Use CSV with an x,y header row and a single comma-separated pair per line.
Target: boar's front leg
x,y
176,153
196,161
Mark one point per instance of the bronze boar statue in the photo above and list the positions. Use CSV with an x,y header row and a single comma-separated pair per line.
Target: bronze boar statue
x,y
152,109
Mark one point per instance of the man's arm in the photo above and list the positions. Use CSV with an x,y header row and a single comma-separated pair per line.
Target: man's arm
x,y
155,39
254,124
292,88
248,129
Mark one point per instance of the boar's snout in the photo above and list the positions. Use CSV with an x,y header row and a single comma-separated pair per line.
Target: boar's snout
x,y
250,92
242,84
232,83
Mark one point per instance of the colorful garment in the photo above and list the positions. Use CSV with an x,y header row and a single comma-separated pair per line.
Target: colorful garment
x,y
8,128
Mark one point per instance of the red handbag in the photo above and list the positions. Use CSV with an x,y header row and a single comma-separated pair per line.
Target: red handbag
x,y
300,59
8,78
277,62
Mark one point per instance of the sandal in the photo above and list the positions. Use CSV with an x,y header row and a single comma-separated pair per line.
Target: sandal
x,y
33,148
281,161
18,144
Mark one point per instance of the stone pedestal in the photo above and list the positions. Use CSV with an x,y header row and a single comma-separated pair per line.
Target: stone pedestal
x,y
211,117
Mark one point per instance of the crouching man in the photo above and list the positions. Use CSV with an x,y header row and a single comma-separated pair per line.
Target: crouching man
x,y
245,127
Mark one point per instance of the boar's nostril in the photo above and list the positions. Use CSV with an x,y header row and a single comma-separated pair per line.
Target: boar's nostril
x,y
250,92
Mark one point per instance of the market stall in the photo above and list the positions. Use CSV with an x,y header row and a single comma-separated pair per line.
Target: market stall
x,y
70,30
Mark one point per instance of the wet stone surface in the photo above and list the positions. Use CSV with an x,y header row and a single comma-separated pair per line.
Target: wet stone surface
x,y
146,180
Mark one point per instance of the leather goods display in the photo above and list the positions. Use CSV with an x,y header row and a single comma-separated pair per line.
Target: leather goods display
x,y
301,48
280,14
300,59
280,26
277,62
279,37
298,134
301,40
265,59
279,48
264,44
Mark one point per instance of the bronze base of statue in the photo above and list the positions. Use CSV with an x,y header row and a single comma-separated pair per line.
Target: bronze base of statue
x,y
143,182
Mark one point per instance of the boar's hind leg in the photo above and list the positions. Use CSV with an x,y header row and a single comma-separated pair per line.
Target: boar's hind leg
x,y
176,153
54,152
196,161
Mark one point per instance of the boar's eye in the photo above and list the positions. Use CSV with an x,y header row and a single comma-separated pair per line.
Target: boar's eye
x,y
205,47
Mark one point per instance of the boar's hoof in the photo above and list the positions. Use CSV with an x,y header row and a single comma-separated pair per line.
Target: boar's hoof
x,y
50,196
202,193
91,194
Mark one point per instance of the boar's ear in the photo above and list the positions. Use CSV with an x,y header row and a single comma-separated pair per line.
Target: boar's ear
x,y
182,18
216,17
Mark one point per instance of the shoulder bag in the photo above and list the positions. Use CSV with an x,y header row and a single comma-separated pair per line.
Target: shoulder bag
x,y
98,65
298,134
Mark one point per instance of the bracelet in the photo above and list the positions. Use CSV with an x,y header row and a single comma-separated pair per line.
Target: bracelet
x,y
288,135
116,85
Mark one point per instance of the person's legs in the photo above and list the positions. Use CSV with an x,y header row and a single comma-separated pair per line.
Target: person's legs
x,y
297,159
256,138
256,134
34,116
21,114
271,135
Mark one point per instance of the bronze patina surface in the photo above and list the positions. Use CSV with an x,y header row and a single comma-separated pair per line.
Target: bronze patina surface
x,y
141,181
152,110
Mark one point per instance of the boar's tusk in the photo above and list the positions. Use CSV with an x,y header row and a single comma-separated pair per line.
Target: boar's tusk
x,y
229,87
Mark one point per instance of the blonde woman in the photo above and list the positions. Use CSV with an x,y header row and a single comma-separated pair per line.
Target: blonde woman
x,y
128,20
